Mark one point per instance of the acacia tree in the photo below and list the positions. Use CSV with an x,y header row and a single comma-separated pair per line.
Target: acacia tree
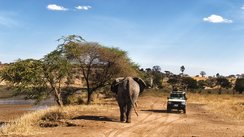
x,y
156,68
211,82
239,85
157,76
201,84
97,64
174,81
223,82
182,69
202,73
38,79
56,70
189,83
26,77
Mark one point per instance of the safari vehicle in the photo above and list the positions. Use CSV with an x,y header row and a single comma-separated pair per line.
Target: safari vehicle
x,y
177,100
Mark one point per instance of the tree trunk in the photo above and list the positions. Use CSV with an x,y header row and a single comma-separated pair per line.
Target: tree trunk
x,y
89,96
58,98
59,101
220,91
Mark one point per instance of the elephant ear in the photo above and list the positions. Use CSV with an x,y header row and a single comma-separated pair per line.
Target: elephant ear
x,y
141,83
115,85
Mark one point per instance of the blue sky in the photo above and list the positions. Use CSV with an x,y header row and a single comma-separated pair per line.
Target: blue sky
x,y
202,35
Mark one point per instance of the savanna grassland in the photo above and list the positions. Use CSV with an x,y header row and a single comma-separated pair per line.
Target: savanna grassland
x,y
207,115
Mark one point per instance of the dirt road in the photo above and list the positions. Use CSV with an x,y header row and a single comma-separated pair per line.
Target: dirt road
x,y
153,121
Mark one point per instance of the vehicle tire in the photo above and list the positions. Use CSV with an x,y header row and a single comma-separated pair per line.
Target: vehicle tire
x,y
168,109
184,110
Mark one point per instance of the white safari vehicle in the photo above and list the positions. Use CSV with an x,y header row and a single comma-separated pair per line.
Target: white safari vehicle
x,y
177,100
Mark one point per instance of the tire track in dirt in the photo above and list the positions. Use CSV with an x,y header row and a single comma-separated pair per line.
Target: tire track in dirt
x,y
151,125
145,126
141,123
164,128
145,119
127,127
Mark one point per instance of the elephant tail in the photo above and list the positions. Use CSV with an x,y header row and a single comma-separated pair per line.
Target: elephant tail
x,y
131,100
133,105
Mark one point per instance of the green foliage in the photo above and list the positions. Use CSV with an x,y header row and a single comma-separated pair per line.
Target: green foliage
x,y
157,76
23,72
156,68
27,78
152,77
173,80
98,64
182,69
189,82
146,77
37,79
202,84
55,67
239,85
202,73
211,82
223,82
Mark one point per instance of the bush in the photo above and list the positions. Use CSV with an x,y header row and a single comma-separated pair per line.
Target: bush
x,y
77,99
239,85
53,116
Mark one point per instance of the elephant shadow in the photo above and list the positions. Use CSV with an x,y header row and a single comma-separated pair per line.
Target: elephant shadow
x,y
94,118
155,110
161,111
2,123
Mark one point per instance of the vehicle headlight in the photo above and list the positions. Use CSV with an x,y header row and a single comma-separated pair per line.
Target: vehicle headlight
x,y
169,102
183,103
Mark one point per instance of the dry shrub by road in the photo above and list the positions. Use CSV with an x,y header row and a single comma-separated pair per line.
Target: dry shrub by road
x,y
206,116
30,123
226,105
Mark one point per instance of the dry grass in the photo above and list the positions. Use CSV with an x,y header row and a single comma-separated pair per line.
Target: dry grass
x,y
230,106
227,105
155,93
29,124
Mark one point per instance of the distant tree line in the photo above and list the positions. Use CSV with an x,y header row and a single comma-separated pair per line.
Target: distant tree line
x,y
96,65
182,81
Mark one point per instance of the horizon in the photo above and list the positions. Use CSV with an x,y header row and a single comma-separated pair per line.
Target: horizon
x,y
201,35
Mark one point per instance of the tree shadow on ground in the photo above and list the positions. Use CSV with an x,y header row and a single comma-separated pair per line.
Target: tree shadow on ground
x,y
162,111
95,118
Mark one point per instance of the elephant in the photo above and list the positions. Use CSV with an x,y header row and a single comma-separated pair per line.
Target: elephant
x,y
127,90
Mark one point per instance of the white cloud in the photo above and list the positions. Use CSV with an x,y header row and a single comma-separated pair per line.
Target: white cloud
x,y
242,7
217,19
56,7
83,7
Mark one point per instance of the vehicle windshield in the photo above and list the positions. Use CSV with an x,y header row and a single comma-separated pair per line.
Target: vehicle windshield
x,y
177,96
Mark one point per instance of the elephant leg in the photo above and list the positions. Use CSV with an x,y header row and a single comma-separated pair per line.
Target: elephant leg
x,y
122,113
128,113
